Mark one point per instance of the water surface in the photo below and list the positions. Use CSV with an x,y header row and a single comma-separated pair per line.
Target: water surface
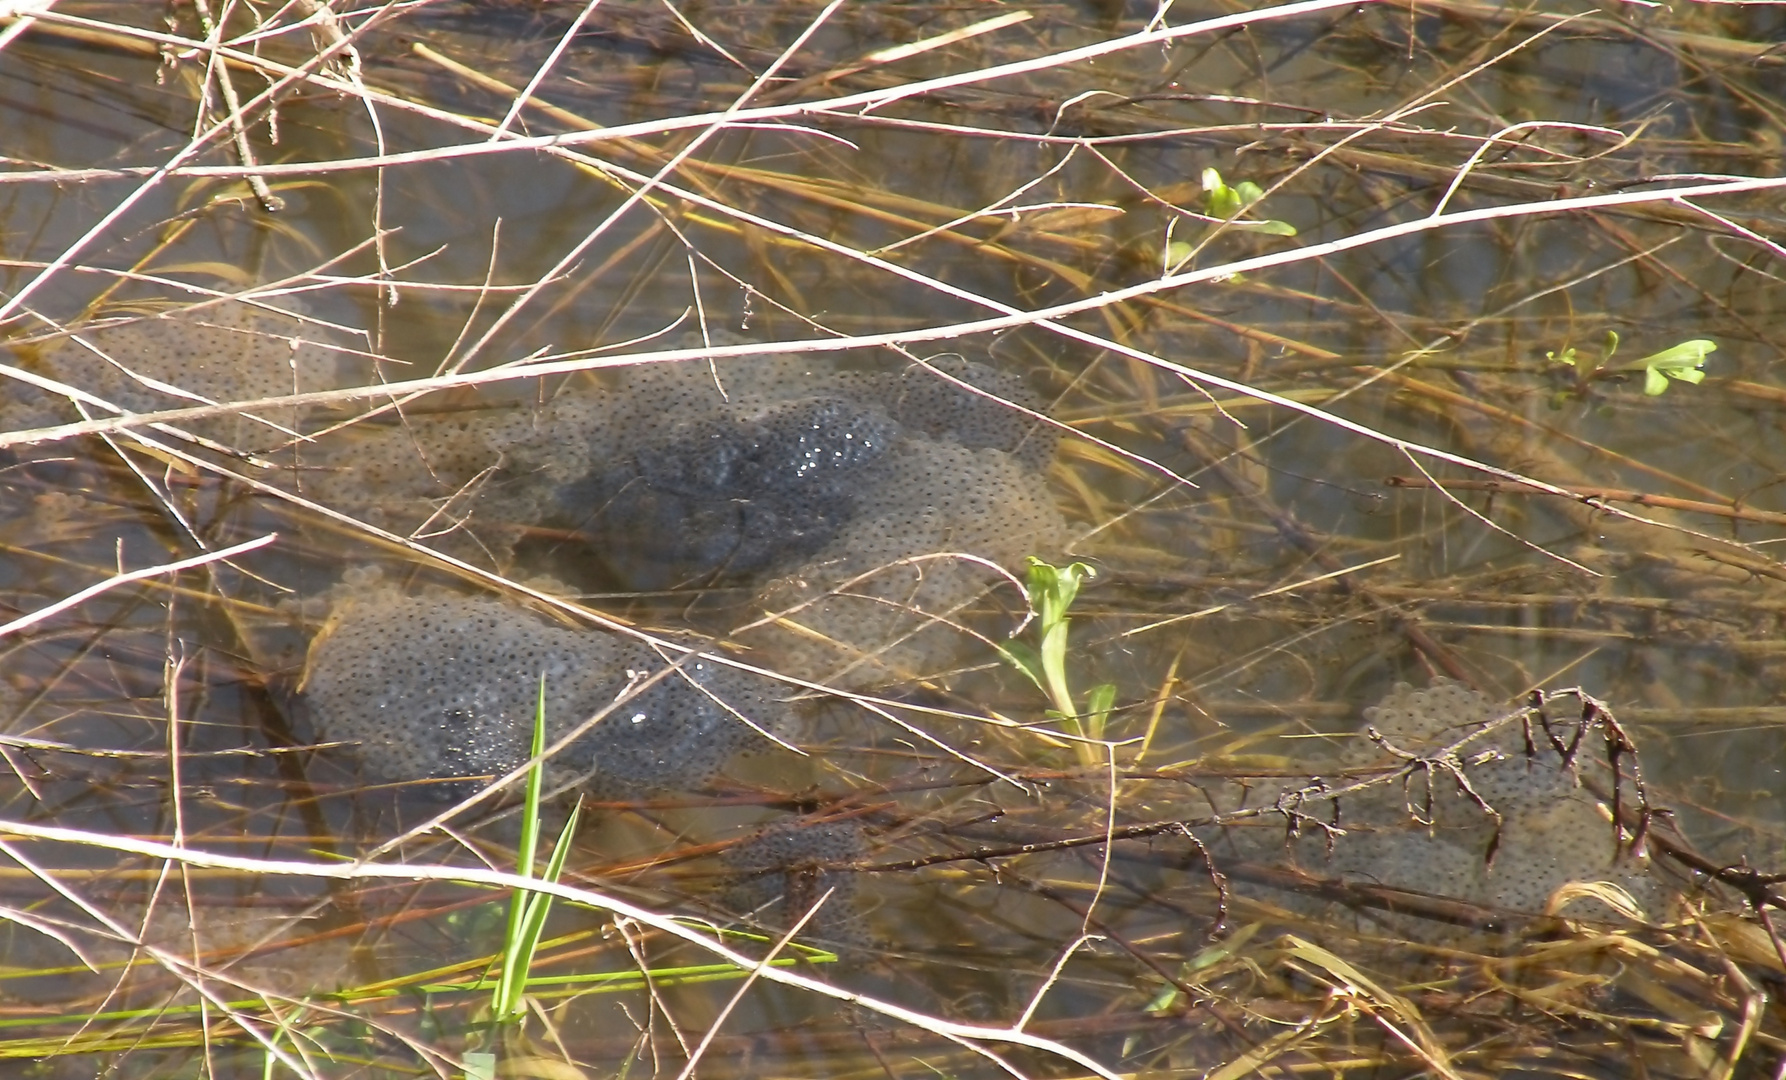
x,y
1260,578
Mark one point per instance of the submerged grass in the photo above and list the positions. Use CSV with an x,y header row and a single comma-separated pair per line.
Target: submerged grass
x,y
1318,446
527,911
1052,590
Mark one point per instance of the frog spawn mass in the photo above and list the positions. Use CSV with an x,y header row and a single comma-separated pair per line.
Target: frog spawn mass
x,y
846,499
733,473
781,475
867,508
228,352
1530,821
441,687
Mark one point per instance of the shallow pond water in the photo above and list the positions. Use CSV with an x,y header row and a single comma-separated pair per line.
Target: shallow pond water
x,y
1272,458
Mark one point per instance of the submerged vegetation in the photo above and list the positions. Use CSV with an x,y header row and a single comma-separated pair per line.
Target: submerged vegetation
x,y
1394,688
1684,363
1052,590
528,910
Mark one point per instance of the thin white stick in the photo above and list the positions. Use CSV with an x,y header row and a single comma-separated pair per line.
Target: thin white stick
x,y
21,18
435,155
533,84
1060,962
1044,317
91,591
1491,141
1439,486
700,1051
972,1035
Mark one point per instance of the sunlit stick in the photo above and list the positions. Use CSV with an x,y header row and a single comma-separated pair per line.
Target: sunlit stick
x,y
91,591
971,1035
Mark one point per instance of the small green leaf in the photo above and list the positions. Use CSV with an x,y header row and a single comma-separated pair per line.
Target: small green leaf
x,y
1228,203
1270,228
1021,656
1220,200
1685,356
1682,362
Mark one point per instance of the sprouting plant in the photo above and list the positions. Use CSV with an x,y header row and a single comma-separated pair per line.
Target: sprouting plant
x,y
1684,362
527,910
1052,591
1226,205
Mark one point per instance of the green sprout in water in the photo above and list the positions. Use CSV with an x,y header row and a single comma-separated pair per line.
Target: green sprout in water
x,y
1684,362
1052,591
1226,205
527,909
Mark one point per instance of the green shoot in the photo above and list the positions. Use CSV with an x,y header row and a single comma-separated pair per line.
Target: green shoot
x,y
1568,357
1584,368
1228,203
528,910
1684,363
1052,591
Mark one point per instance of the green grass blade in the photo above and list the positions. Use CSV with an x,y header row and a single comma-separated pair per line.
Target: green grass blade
x,y
506,1003
533,924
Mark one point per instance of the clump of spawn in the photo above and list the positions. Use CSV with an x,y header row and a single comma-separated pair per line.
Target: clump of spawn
x,y
445,688
213,354
465,478
764,463
1526,826
779,873
883,602
725,497
865,509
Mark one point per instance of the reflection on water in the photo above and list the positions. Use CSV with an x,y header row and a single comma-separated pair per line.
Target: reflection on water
x,y
1263,575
